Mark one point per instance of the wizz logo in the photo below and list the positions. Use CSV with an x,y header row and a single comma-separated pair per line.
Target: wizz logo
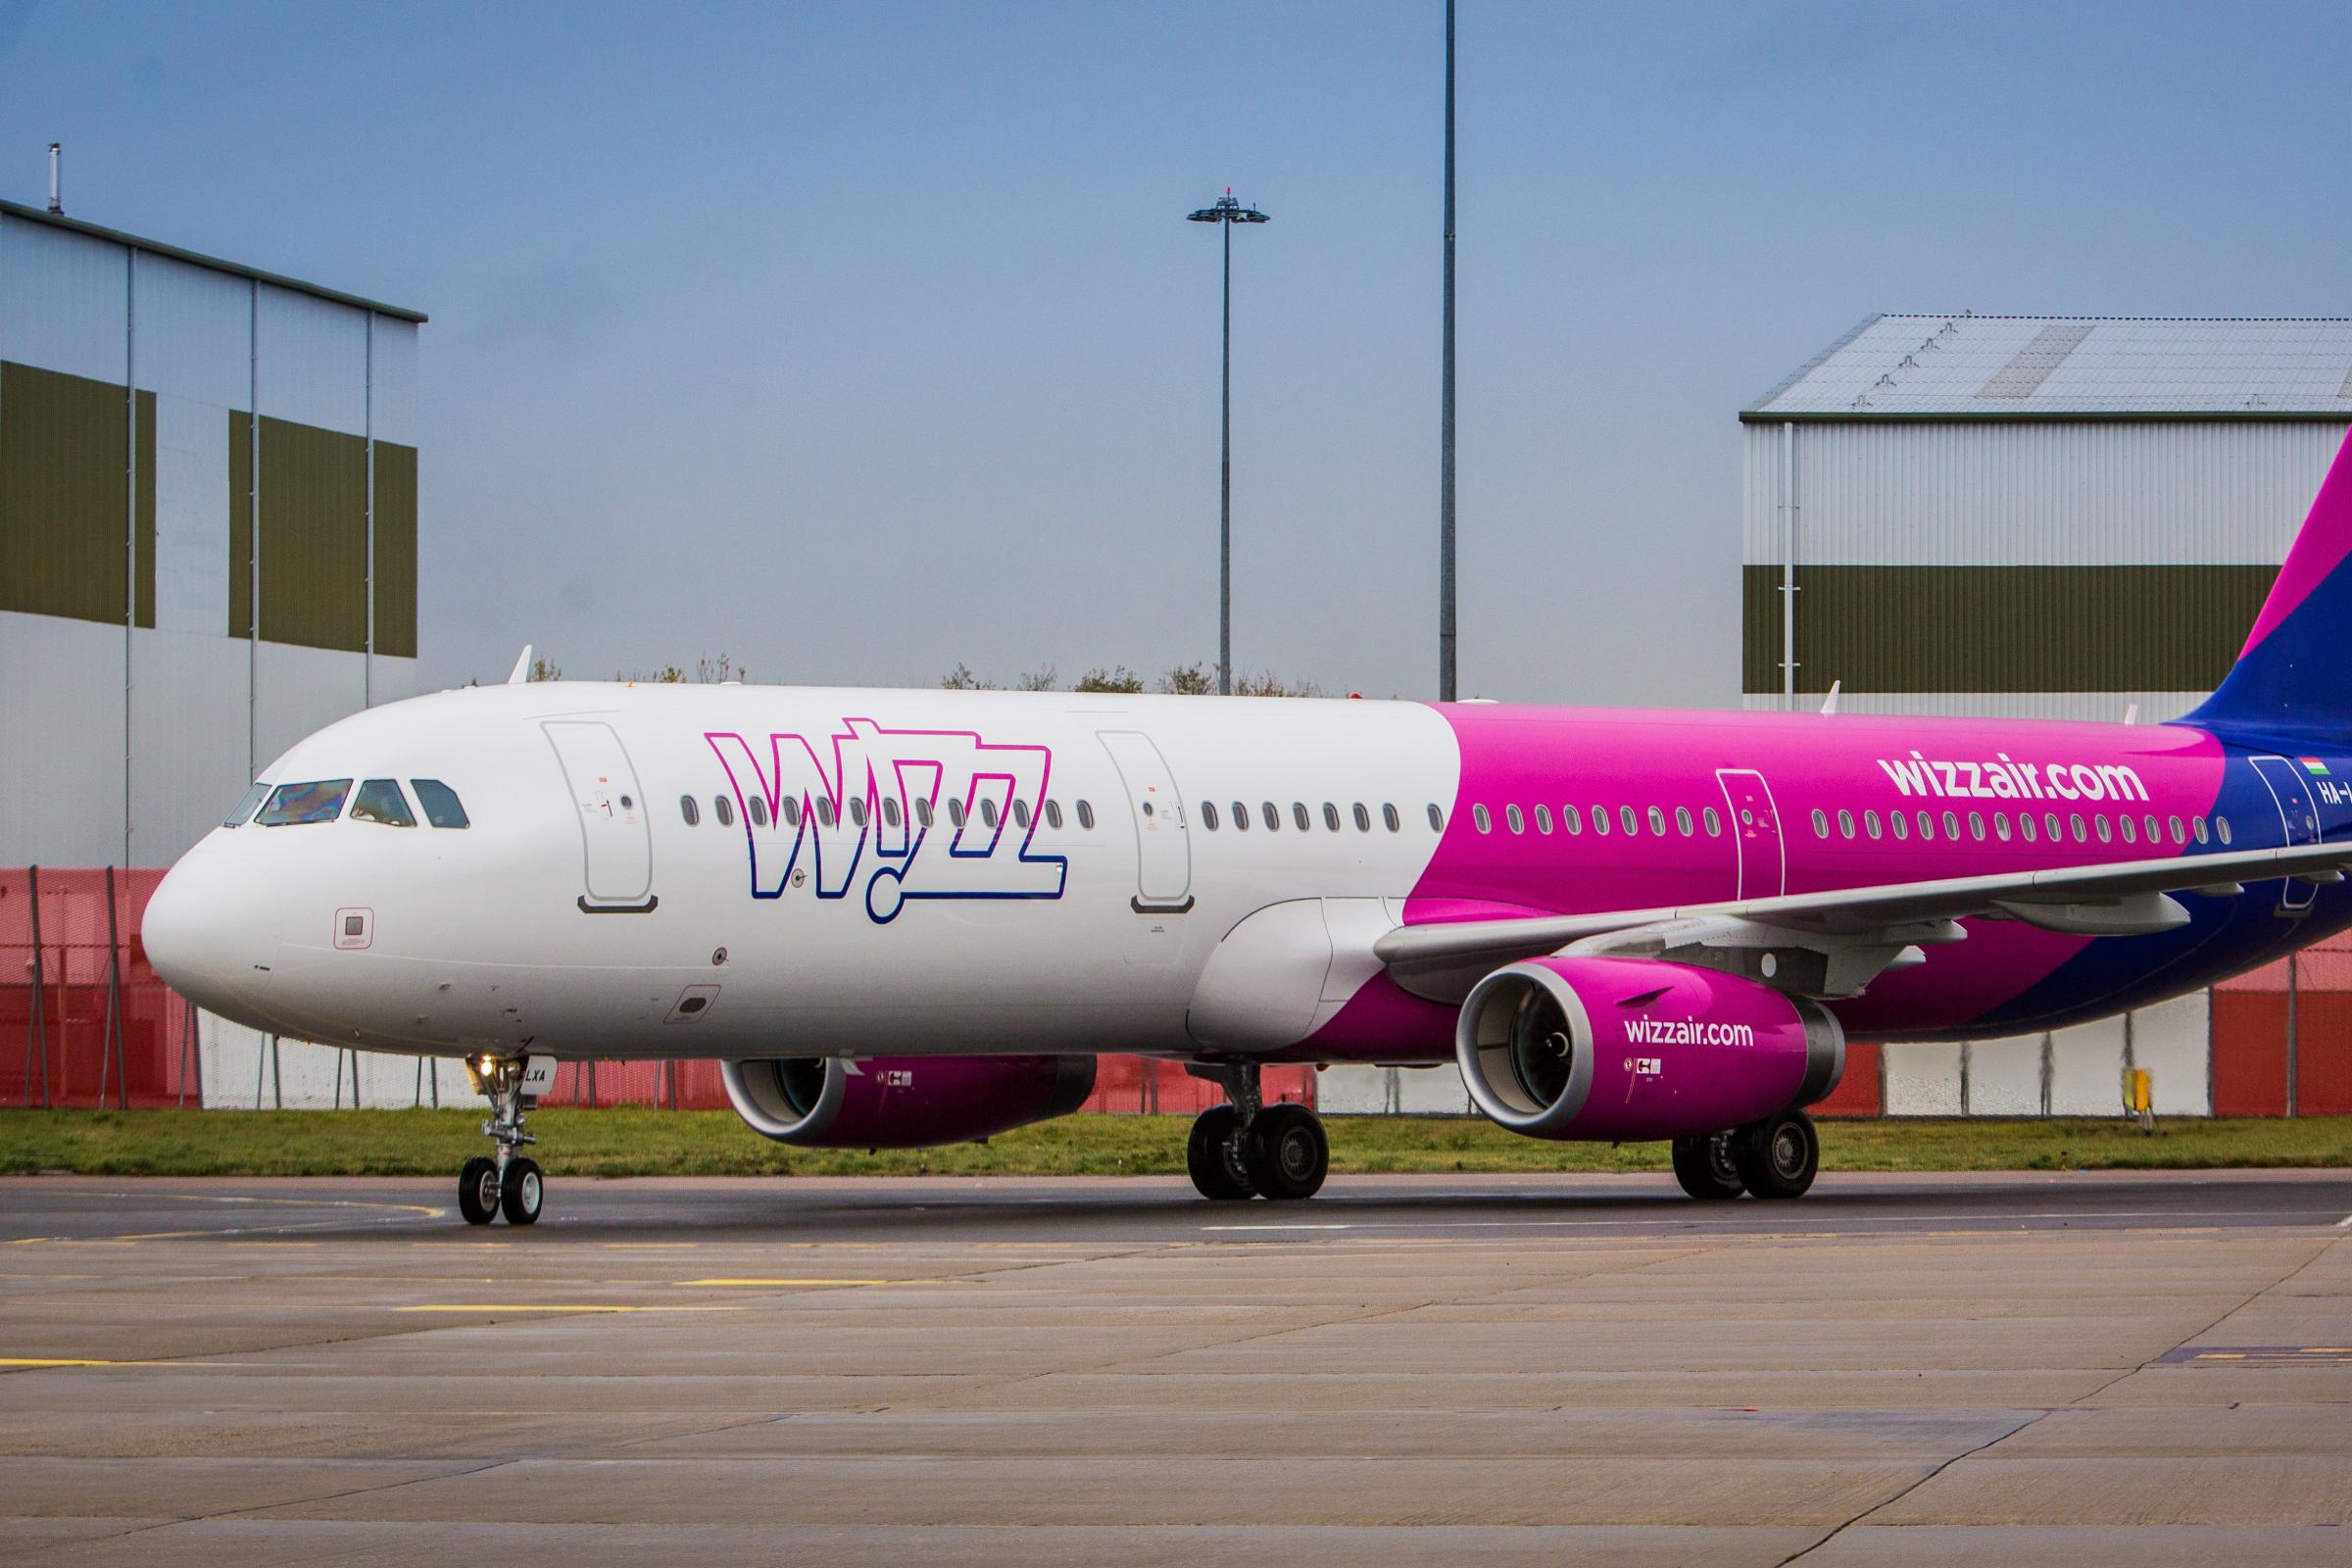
x,y
892,814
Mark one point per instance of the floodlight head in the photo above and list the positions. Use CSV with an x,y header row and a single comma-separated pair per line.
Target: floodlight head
x,y
1227,211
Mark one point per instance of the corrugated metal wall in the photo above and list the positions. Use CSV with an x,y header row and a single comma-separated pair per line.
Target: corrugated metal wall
x,y
1935,560
137,692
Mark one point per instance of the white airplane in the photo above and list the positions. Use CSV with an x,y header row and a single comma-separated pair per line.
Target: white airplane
x,y
903,918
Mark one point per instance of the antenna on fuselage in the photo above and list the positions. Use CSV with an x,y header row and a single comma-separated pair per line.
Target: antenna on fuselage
x,y
1829,703
521,672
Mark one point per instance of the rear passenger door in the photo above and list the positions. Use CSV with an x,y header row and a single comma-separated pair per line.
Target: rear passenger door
x,y
617,841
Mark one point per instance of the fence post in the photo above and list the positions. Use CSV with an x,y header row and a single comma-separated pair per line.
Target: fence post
x,y
190,1051
592,1086
338,1080
39,1032
114,1006
278,1081
2292,1035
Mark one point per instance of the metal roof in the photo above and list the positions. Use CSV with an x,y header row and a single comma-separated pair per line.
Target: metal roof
x,y
1967,366
39,215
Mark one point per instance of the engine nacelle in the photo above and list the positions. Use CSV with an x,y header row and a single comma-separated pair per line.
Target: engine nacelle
x,y
1635,1049
903,1102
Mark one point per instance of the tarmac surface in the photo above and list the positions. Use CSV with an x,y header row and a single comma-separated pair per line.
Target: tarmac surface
x,y
2088,1368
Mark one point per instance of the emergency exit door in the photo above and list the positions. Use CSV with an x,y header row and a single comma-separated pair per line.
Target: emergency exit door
x,y
1763,869
617,836
1163,846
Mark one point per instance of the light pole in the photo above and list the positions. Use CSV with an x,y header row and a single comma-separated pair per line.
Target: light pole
x,y
1446,623
1225,214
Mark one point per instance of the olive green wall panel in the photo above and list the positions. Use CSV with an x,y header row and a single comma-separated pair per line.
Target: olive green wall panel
x,y
64,494
314,537
240,523
395,576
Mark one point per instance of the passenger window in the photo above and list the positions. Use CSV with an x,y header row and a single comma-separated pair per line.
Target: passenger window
x,y
1514,818
824,809
440,803
955,812
1572,819
298,805
2049,826
1601,821
889,810
1085,816
1437,818
2130,833
1901,823
1926,826
2220,828
2201,830
2106,833
2081,835
1387,814
1241,817
1845,823
1331,816
2025,825
1021,816
1271,817
1682,820
790,811
379,801
922,810
687,809
1627,820
1298,814
1542,818
720,808
1821,823
857,810
1053,815
1975,826
1951,825
1870,823
1364,819
2148,824
242,813
756,809
1657,823
1714,823
1208,815
2180,835
2000,826
1479,820
988,812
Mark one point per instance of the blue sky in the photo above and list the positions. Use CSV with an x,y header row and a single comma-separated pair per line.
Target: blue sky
x,y
857,340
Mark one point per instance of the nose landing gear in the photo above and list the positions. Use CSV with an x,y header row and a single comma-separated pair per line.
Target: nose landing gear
x,y
505,1183
1246,1148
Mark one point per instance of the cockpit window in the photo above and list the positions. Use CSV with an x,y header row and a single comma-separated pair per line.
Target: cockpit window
x,y
242,812
440,803
379,801
292,805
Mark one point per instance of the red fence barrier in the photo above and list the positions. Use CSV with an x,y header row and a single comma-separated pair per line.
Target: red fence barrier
x,y
83,1019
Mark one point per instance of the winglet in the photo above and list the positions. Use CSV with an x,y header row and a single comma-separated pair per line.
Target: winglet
x,y
522,667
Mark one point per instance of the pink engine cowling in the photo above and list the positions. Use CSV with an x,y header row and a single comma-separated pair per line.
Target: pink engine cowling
x,y
903,1102
1604,1048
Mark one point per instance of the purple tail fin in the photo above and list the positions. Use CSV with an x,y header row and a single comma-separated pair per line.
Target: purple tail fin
x,y
2294,676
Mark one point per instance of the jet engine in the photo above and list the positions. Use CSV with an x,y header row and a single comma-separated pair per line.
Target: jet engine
x,y
902,1102
1606,1047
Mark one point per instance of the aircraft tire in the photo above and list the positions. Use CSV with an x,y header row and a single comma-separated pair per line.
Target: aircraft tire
x,y
1286,1152
1777,1157
477,1190
1204,1156
1706,1167
525,1190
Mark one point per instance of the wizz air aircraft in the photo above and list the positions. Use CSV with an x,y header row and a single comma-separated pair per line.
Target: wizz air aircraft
x,y
907,918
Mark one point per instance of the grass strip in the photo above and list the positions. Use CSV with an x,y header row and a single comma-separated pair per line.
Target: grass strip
x,y
627,1140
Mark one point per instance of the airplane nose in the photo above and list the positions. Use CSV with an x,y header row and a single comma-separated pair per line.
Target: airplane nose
x,y
200,932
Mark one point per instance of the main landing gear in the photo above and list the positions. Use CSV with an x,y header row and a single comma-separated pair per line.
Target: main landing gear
x,y
1776,1157
1245,1147
506,1183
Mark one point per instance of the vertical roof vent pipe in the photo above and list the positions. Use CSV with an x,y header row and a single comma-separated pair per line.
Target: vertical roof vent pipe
x,y
57,202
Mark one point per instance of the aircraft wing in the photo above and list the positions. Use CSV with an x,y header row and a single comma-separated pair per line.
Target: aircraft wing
x,y
1865,927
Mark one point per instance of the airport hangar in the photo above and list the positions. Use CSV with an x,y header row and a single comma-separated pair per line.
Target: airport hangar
x,y
208,531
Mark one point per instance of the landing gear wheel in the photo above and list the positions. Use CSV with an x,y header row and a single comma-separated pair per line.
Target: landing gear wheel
x,y
1286,1151
477,1190
1706,1167
1207,1156
1779,1155
524,1191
